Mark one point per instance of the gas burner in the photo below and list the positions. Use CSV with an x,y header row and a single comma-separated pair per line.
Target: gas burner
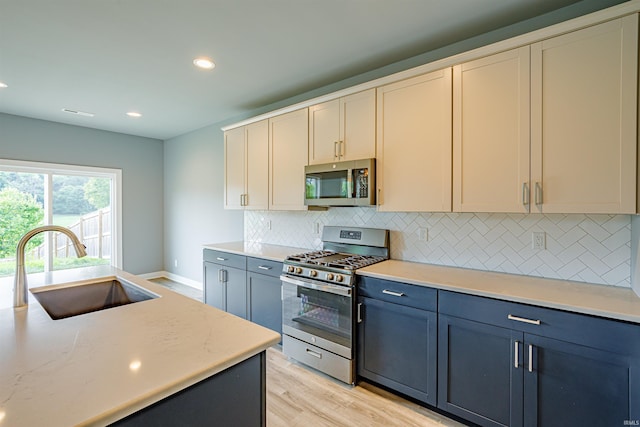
x,y
354,262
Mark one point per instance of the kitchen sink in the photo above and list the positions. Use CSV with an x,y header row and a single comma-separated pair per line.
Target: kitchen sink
x,y
80,298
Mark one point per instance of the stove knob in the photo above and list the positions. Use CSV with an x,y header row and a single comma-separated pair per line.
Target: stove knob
x,y
339,278
298,270
329,276
290,269
313,273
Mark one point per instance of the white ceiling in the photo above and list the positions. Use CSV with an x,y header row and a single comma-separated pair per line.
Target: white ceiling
x,y
108,57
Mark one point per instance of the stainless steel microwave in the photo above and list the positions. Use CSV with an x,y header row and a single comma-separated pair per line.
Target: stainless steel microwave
x,y
350,183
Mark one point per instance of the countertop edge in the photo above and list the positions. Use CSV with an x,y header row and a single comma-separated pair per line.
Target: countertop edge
x,y
604,300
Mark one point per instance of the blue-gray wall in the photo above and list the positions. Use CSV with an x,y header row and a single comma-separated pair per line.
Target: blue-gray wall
x,y
141,162
193,200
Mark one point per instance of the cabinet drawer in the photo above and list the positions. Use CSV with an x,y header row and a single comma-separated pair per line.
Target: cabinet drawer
x,y
582,329
318,358
225,258
263,266
398,293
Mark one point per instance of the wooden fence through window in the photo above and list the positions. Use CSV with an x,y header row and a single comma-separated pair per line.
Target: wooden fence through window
x,y
93,229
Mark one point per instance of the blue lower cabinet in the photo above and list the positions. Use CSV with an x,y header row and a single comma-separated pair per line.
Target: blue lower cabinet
x,y
397,347
531,366
570,384
478,379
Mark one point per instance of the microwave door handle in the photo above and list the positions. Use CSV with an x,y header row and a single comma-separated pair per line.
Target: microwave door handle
x,y
350,183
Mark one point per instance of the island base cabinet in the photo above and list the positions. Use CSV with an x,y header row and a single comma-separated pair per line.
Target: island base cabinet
x,y
233,397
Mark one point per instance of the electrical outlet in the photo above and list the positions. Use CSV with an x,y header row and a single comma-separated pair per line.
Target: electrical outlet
x,y
423,234
175,263
316,228
268,223
538,240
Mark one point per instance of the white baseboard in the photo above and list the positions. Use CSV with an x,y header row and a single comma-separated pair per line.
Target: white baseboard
x,y
174,277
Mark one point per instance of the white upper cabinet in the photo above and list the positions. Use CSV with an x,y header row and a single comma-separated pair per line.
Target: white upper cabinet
x,y
584,119
343,129
246,153
234,168
288,153
491,133
414,144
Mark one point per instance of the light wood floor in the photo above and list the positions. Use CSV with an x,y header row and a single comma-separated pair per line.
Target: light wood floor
x,y
300,396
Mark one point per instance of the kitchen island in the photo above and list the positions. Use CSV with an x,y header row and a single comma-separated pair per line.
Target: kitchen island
x,y
100,368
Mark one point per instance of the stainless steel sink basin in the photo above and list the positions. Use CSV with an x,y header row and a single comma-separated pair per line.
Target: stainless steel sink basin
x,y
80,298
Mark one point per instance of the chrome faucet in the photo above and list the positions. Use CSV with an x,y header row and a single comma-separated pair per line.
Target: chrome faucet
x,y
20,296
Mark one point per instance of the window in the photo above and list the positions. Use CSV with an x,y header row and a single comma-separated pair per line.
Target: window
x,y
84,199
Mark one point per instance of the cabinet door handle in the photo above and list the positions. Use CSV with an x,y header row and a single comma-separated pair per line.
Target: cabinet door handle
x,y
246,200
516,352
264,267
359,315
341,152
525,194
523,320
538,194
336,154
314,353
393,293
220,276
221,259
530,358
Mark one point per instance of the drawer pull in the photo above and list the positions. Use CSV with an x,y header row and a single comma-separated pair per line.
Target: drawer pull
x,y
523,320
263,267
314,353
395,294
221,259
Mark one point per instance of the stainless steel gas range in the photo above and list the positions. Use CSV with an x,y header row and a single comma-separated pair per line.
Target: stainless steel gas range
x,y
318,298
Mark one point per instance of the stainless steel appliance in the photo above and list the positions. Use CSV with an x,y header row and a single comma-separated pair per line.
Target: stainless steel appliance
x,y
318,298
349,183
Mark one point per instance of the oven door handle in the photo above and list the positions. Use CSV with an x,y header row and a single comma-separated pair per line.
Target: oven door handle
x,y
324,287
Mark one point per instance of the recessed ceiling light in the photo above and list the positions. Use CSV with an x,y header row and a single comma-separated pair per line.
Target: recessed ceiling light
x,y
134,114
77,112
3,85
204,63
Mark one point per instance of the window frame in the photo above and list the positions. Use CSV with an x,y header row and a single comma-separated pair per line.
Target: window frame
x,y
50,169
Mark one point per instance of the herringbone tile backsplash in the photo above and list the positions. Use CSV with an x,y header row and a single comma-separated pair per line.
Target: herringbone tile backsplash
x,y
584,248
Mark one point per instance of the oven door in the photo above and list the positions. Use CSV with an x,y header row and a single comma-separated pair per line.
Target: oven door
x,y
318,313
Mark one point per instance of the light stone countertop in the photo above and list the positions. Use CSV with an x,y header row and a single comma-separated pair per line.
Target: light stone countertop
x,y
96,368
258,250
598,300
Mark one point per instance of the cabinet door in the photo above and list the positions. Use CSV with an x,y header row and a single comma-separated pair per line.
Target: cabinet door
x,y
265,302
288,148
358,126
397,348
569,384
324,132
584,91
414,144
214,288
257,166
480,372
234,168
491,133
236,292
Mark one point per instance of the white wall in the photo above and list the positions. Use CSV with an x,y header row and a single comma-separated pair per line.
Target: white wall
x,y
139,158
193,200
